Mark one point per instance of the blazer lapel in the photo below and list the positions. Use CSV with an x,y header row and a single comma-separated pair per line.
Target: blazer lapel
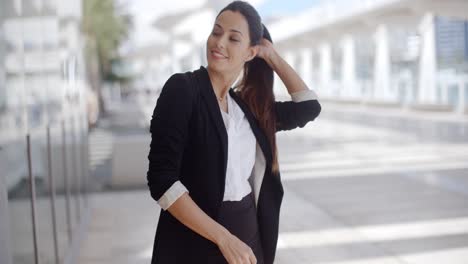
x,y
206,89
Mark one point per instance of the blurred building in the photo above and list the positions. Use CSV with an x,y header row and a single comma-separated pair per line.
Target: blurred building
x,y
406,54
410,54
42,99
452,43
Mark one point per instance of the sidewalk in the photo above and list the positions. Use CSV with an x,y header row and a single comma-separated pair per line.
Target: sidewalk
x,y
121,229
123,224
400,112
361,187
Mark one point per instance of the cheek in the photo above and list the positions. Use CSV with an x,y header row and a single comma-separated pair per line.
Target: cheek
x,y
241,54
209,41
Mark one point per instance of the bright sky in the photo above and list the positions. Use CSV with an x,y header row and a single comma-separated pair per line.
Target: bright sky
x,y
281,7
145,13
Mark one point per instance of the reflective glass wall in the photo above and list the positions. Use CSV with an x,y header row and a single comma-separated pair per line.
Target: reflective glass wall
x,y
43,130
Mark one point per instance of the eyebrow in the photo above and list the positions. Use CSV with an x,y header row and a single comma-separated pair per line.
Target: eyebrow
x,y
233,30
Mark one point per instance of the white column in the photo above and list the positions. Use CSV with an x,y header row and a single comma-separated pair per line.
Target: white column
x,y
427,61
306,66
315,68
175,64
325,69
277,84
382,65
196,58
348,71
462,80
3,91
204,60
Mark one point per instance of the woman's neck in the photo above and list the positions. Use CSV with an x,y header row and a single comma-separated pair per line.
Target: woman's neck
x,y
221,82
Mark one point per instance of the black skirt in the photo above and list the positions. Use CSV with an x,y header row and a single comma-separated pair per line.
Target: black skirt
x,y
240,218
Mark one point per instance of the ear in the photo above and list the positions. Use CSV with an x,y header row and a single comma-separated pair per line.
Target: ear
x,y
253,50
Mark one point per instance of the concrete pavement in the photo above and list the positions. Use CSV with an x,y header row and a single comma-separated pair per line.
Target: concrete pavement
x,y
357,190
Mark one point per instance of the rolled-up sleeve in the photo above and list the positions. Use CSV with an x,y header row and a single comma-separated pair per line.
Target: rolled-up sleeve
x,y
303,108
304,95
169,132
171,195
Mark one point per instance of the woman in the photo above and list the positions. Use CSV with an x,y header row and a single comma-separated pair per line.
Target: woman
x,y
213,164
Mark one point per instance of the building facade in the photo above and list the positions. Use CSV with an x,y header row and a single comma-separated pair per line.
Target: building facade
x,y
43,131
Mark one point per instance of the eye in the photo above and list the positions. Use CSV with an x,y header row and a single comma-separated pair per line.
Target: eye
x,y
233,39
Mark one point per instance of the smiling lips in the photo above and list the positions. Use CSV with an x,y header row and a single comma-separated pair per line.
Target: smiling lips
x,y
217,55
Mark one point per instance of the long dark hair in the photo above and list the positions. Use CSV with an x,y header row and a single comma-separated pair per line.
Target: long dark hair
x,y
256,87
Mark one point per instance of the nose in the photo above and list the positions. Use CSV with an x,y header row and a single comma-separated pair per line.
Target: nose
x,y
220,43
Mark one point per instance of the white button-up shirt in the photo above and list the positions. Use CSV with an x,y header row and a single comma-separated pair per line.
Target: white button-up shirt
x,y
241,153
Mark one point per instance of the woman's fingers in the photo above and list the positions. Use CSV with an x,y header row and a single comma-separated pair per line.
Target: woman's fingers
x,y
252,257
237,252
243,256
249,258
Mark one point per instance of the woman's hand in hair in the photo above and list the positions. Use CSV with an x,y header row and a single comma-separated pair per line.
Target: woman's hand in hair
x,y
266,51
235,251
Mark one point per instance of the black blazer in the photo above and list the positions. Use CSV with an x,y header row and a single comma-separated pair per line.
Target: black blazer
x,y
189,143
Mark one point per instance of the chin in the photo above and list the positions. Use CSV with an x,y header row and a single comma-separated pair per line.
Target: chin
x,y
217,67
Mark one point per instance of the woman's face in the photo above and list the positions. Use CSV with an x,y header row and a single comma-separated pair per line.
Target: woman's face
x,y
228,46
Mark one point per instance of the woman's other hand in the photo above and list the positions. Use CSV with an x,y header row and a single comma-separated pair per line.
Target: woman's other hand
x,y
266,50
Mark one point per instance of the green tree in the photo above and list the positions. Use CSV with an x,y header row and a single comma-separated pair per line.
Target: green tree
x,y
105,26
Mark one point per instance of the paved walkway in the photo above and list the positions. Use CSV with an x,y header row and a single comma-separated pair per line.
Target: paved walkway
x,y
359,188
121,229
